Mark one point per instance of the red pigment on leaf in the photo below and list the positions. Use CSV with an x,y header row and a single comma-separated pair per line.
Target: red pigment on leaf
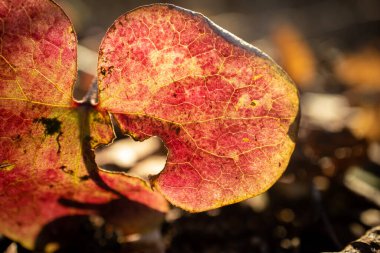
x,y
225,111
38,45
47,169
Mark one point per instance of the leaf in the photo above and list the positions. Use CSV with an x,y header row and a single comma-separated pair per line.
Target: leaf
x,y
369,242
226,111
364,123
360,69
47,170
295,54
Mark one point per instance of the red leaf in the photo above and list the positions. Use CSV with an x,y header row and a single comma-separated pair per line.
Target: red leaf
x,y
38,45
226,112
46,161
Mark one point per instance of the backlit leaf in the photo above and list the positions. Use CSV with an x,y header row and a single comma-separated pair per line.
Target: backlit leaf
x,y
47,170
226,112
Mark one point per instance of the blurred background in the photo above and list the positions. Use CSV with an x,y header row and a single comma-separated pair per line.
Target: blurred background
x,y
330,194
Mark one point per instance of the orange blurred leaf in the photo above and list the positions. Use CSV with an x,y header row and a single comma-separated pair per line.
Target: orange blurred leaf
x,y
360,70
295,54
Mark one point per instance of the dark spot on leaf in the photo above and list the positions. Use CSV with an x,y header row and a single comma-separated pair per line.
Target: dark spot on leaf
x,y
113,27
16,138
84,178
52,125
59,144
174,127
98,119
103,71
279,164
66,170
107,70
253,103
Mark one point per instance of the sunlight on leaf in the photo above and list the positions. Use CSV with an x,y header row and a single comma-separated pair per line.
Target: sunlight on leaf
x,y
47,168
169,72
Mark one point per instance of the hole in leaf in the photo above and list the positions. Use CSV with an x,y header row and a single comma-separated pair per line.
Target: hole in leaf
x,y
85,88
134,158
